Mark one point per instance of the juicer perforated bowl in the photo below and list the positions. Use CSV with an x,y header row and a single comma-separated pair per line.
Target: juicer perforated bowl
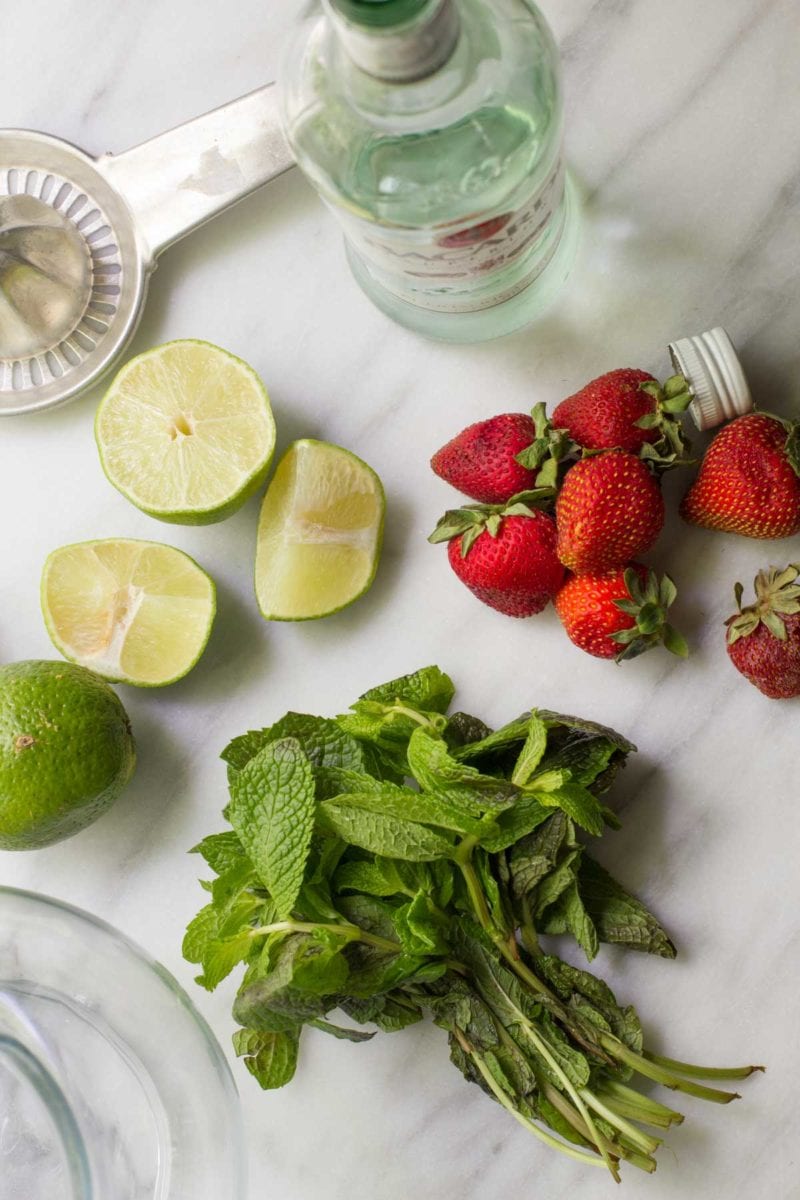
x,y
112,1087
79,237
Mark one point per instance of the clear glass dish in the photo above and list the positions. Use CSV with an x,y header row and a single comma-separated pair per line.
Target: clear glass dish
x,y
112,1086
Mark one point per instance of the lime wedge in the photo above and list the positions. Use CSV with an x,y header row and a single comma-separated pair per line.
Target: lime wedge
x,y
186,433
319,537
134,612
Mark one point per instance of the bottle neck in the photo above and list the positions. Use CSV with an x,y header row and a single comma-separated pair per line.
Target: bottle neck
x,y
405,53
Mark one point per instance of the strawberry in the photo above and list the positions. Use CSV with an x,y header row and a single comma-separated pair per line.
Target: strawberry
x,y
764,638
481,461
626,409
749,480
506,555
609,510
498,458
620,613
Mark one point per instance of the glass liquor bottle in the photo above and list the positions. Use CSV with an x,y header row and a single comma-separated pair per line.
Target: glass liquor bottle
x,y
433,130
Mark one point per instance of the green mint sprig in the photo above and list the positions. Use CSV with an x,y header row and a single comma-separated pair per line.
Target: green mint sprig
x,y
395,862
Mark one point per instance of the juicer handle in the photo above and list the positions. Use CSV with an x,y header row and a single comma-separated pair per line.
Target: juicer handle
x,y
182,178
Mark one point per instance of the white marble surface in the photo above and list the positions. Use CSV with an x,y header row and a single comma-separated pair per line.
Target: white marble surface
x,y
683,124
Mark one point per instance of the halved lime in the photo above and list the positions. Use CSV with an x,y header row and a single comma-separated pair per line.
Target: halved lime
x,y
134,612
320,533
186,432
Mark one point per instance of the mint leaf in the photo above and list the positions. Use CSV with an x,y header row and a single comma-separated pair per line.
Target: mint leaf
x,y
463,729
620,918
534,856
532,752
428,689
305,973
323,740
271,1058
377,796
377,878
578,921
513,824
572,983
422,928
591,753
555,882
381,833
437,771
394,1016
272,811
340,1032
220,850
217,949
508,736
578,803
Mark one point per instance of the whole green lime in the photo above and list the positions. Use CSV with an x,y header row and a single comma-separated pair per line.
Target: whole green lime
x,y
66,752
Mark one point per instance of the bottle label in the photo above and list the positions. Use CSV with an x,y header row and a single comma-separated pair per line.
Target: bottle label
x,y
471,268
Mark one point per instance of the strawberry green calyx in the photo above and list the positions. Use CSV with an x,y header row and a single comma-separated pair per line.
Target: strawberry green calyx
x,y
648,606
548,451
792,447
470,522
672,398
777,596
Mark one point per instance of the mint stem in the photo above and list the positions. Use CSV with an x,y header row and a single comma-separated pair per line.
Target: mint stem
x,y
573,1117
351,933
635,1106
640,1141
503,1098
651,1071
699,1072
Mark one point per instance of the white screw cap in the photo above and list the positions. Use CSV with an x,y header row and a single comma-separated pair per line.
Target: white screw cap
x,y
710,365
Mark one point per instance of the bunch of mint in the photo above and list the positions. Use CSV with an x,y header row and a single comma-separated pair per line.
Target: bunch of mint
x,y
396,862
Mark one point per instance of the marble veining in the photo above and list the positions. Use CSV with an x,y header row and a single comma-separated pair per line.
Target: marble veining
x,y
682,131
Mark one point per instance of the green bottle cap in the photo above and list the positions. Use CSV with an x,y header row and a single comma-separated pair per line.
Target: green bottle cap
x,y
380,14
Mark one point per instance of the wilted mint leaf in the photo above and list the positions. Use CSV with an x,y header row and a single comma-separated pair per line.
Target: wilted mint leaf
x,y
619,916
271,1058
305,972
591,753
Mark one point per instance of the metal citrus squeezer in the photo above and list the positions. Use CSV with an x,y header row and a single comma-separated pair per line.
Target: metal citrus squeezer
x,y
79,237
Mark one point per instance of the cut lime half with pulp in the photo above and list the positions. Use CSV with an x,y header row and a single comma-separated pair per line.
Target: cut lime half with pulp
x,y
319,537
186,433
134,612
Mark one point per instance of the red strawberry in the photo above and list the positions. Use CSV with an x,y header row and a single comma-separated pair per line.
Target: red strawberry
x,y
748,481
619,614
499,458
624,410
764,638
609,510
481,461
506,556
